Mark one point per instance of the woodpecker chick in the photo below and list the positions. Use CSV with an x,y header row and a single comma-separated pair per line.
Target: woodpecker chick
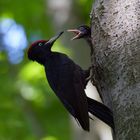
x,y
84,32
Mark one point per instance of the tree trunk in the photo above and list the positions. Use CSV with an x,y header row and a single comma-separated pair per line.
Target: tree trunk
x,y
116,42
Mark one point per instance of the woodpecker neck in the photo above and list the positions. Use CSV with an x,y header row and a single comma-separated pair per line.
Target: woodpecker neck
x,y
42,56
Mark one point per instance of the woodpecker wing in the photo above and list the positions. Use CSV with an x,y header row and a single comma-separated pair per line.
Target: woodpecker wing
x,y
65,78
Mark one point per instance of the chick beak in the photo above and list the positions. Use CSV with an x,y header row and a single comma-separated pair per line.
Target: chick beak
x,y
77,32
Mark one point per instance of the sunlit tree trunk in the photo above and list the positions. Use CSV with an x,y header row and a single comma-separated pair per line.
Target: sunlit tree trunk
x,y
116,42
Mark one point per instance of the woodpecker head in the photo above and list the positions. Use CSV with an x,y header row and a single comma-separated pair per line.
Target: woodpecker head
x,y
39,50
82,31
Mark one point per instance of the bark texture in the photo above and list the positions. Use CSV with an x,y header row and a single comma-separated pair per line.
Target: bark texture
x,y
116,42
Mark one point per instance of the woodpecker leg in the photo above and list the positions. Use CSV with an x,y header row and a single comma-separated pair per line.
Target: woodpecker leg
x,y
90,75
87,74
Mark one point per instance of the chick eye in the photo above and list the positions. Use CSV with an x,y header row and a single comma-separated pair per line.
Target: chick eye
x,y
40,44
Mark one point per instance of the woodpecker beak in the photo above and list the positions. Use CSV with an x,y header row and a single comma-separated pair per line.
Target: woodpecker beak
x,y
53,39
77,32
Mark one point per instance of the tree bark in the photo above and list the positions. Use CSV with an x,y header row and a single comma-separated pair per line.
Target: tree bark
x,y
116,57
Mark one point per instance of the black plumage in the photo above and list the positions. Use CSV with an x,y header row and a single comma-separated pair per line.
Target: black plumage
x,y
68,82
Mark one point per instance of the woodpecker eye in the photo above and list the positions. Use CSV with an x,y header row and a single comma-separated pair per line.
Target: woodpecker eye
x,y
40,44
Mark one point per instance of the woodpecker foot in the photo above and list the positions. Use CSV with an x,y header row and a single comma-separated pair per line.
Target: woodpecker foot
x,y
91,75
88,74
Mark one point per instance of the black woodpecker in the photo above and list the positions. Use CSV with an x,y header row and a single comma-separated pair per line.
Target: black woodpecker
x,y
68,82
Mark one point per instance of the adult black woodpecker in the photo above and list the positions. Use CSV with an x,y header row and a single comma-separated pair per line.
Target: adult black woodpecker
x,y
68,82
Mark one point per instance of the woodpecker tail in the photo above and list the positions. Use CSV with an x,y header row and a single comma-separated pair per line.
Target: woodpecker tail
x,y
100,111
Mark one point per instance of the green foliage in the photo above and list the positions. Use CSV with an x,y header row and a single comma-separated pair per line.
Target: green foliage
x,y
30,14
83,9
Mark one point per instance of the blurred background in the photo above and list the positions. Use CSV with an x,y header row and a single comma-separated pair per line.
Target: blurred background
x,y
29,110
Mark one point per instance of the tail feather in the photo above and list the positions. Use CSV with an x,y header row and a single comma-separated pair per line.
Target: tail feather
x,y
100,111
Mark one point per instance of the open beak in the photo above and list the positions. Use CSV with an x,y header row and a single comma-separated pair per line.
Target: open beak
x,y
77,32
53,39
